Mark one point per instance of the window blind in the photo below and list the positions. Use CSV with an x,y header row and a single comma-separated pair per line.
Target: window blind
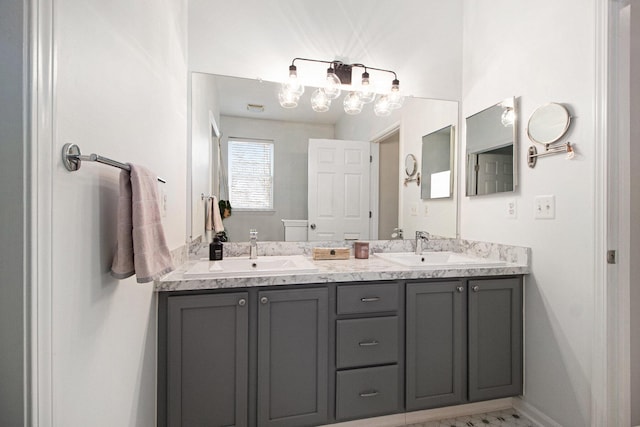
x,y
250,174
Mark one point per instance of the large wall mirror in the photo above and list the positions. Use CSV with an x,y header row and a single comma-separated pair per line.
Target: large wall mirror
x,y
238,108
438,150
491,152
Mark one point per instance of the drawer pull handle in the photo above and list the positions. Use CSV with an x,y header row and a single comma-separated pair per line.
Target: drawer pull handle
x,y
368,343
370,299
371,393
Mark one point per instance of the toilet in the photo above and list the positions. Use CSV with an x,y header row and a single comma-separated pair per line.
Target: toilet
x,y
295,230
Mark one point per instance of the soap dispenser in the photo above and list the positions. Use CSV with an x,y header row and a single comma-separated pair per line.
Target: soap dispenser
x,y
215,250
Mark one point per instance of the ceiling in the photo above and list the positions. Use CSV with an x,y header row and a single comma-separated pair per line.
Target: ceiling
x,y
421,40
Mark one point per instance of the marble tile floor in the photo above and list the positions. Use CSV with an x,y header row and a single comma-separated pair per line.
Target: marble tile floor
x,y
505,418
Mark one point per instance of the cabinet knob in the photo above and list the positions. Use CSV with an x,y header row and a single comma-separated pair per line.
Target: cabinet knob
x,y
242,302
264,300
476,288
460,289
312,226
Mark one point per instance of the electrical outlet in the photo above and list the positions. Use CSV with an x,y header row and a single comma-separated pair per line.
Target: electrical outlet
x,y
512,209
425,210
544,207
414,210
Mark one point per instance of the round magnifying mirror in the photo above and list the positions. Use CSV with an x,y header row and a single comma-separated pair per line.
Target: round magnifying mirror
x,y
548,123
410,165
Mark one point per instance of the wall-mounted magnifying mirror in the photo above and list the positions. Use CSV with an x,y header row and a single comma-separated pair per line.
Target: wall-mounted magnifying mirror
x,y
437,164
492,149
548,123
410,165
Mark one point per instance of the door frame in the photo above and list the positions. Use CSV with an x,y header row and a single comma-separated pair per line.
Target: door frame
x,y
374,176
610,369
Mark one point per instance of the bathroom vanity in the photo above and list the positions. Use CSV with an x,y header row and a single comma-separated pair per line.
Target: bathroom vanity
x,y
355,339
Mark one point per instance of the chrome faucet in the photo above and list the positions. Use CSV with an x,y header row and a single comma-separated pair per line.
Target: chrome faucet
x,y
420,236
253,243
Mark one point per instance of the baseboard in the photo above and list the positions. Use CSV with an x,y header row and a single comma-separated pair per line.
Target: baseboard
x,y
533,413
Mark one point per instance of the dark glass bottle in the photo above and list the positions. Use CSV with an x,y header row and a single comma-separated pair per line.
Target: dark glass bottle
x,y
215,250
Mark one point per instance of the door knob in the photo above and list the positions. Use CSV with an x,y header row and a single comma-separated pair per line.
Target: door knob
x,y
312,226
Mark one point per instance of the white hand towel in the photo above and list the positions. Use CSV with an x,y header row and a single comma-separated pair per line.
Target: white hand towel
x,y
208,213
217,219
140,233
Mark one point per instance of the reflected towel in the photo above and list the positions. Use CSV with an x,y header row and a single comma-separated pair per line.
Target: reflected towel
x,y
141,244
208,214
217,219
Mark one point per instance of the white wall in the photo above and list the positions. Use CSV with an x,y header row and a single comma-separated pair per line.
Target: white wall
x,y
120,91
204,107
14,120
416,118
542,51
419,39
291,144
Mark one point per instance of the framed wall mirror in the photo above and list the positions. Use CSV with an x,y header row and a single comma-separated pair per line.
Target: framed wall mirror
x,y
491,151
437,164
224,100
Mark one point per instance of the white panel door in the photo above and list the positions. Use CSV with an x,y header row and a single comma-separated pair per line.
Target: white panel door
x,y
495,173
338,190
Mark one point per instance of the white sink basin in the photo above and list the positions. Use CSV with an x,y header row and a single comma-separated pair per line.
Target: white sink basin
x,y
245,267
438,260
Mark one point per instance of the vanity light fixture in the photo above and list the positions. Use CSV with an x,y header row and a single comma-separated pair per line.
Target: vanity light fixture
x,y
338,79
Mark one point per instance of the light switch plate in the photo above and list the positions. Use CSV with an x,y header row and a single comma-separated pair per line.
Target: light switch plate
x,y
512,209
544,207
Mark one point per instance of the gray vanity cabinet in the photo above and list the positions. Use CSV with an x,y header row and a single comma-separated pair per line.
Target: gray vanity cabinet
x,y
293,328
435,344
207,360
495,338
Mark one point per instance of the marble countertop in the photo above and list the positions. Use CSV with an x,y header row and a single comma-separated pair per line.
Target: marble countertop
x,y
354,270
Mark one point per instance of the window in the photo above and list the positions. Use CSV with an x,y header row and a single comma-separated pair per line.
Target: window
x,y
250,174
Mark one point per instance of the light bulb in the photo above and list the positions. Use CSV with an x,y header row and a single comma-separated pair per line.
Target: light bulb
x,y
352,103
332,87
395,97
288,99
293,85
382,107
366,91
320,102
508,116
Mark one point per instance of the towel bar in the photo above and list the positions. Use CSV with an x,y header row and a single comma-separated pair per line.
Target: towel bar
x,y
72,160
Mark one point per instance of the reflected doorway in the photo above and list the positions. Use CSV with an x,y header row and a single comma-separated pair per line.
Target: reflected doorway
x,y
388,179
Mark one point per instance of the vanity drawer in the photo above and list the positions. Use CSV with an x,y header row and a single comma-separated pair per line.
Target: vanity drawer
x,y
363,342
366,392
367,298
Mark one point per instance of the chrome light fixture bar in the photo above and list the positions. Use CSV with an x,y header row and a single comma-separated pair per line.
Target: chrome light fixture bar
x,y
338,76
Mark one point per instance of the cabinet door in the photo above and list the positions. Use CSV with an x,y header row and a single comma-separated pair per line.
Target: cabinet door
x,y
207,366
435,344
292,357
495,338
